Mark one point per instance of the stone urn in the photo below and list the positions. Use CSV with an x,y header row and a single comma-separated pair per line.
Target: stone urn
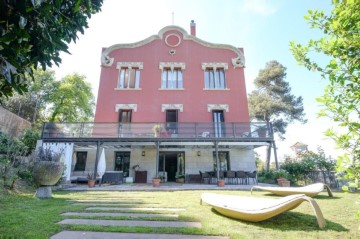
x,y
47,173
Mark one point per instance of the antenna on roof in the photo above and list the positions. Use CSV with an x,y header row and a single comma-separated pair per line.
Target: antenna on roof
x,y
172,18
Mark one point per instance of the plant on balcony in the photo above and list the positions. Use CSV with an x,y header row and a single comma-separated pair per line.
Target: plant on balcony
x,y
157,129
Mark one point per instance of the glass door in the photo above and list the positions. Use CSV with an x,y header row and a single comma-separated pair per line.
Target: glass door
x,y
218,119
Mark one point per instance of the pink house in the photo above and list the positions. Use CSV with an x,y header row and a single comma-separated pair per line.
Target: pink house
x,y
171,104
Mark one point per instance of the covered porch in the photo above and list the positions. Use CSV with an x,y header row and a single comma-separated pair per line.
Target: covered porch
x,y
194,147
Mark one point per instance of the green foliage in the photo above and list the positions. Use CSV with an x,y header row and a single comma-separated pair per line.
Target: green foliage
x,y
272,100
34,33
300,166
11,152
72,101
46,154
29,139
271,176
341,99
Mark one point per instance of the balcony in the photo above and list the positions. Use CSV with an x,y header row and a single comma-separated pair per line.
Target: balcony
x,y
157,131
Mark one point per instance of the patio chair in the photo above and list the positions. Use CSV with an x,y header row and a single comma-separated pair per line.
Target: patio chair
x,y
258,209
309,190
253,176
204,177
231,176
241,177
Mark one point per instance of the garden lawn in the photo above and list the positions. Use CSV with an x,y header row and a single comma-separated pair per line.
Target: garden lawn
x,y
23,216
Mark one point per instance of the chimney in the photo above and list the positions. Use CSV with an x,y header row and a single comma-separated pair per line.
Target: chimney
x,y
193,28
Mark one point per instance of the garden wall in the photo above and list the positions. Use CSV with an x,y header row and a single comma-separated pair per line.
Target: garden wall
x,y
12,124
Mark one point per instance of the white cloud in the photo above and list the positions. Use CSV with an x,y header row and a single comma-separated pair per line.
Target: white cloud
x,y
258,7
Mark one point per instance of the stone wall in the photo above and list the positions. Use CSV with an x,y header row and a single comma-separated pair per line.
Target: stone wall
x,y
12,124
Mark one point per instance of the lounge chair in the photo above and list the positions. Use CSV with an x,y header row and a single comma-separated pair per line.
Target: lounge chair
x,y
258,209
310,190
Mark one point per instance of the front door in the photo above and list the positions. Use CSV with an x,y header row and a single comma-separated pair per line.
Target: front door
x,y
173,163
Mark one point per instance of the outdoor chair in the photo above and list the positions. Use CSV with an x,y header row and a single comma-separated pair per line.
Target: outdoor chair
x,y
204,177
253,176
310,190
241,177
231,176
256,209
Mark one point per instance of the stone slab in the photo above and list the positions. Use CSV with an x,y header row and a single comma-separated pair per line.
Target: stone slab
x,y
130,223
95,204
114,214
134,209
116,235
44,192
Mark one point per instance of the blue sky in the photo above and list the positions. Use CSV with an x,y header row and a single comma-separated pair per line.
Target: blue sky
x,y
264,28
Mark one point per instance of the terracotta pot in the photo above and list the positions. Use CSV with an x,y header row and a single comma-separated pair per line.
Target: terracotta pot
x,y
180,180
156,182
91,183
285,183
221,183
47,173
280,180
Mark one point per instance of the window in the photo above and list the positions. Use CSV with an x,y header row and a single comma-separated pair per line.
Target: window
x,y
172,79
80,161
172,75
215,78
223,159
129,78
129,75
214,75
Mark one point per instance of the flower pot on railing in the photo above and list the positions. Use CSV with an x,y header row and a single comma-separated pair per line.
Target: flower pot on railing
x,y
221,183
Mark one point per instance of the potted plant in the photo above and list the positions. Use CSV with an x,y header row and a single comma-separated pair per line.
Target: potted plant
x,y
156,181
221,182
91,179
157,130
180,178
47,170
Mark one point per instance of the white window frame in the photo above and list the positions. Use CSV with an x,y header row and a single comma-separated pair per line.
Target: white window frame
x,y
216,79
172,76
125,71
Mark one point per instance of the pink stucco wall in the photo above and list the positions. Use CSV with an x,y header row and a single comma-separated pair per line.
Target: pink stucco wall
x,y
150,97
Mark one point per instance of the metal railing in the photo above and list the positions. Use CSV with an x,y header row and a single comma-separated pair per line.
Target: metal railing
x,y
246,130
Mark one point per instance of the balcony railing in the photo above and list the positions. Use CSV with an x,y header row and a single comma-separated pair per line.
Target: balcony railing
x,y
258,130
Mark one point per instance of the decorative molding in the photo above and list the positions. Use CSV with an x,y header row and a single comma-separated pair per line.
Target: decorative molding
x,y
120,65
125,107
211,107
238,61
175,35
179,107
172,65
172,52
214,65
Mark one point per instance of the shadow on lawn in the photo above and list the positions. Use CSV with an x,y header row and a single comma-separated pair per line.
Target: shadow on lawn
x,y
292,221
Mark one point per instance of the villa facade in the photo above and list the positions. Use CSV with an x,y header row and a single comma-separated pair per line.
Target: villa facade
x,y
170,104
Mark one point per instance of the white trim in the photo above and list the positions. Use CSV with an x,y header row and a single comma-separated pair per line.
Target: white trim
x,y
211,107
179,107
172,65
120,65
125,107
107,60
215,65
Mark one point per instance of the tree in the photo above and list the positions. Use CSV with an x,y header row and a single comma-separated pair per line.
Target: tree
x,y
341,98
273,102
33,33
31,105
72,101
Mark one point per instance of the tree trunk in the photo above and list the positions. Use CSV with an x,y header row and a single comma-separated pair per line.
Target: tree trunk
x,y
268,156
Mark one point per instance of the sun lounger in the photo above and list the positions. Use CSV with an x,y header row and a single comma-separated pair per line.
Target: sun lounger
x,y
258,209
310,190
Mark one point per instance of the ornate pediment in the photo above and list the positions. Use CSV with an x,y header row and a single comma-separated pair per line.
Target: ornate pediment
x,y
125,107
211,107
179,107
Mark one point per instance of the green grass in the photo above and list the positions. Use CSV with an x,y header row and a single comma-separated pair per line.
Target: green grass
x,y
23,216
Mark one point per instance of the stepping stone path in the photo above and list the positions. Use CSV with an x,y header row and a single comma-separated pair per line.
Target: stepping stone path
x,y
133,208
